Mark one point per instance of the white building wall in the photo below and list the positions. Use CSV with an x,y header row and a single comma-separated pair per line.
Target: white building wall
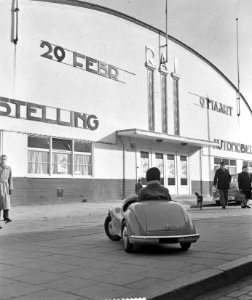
x,y
14,145
27,76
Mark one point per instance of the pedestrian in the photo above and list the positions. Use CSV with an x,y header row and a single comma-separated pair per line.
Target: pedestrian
x,y
6,188
154,190
222,181
244,184
138,186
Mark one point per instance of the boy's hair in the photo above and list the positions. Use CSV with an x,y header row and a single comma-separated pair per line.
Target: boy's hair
x,y
153,174
3,155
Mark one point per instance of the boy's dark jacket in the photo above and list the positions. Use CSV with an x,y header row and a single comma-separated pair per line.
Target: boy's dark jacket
x,y
154,191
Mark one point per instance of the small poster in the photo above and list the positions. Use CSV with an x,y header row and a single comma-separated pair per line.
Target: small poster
x,y
62,163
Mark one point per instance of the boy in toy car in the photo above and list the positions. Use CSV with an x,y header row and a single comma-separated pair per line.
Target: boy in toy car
x,y
154,190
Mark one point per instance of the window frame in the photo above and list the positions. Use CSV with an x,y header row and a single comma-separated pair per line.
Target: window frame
x,y
72,154
228,166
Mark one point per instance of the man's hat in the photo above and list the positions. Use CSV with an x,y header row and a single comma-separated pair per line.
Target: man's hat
x,y
153,174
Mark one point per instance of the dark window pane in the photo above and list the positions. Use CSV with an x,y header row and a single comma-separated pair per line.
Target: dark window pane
x,y
183,181
159,155
171,181
217,160
170,156
60,144
162,181
245,163
82,147
144,154
38,142
182,158
226,162
232,162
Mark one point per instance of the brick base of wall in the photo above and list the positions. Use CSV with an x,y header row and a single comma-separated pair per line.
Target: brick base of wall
x,y
205,185
32,191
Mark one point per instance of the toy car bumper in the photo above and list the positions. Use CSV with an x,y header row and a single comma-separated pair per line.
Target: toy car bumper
x,y
190,238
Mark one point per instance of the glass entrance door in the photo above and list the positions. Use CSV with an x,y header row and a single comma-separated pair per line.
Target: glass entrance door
x,y
183,181
171,171
144,165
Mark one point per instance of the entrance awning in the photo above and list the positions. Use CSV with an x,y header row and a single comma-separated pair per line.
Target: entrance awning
x,y
162,137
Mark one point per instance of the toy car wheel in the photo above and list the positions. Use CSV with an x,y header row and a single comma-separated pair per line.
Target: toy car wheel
x,y
128,246
108,229
185,246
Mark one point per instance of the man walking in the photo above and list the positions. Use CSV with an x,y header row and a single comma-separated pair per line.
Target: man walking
x,y
6,188
222,181
244,184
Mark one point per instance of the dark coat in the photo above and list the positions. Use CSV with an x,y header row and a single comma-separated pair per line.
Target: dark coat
x,y
154,191
222,179
244,181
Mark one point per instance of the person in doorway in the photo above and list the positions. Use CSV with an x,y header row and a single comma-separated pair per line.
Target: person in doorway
x,y
244,184
154,190
222,181
6,187
138,186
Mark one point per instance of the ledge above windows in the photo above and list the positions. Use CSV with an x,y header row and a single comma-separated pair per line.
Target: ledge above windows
x,y
168,138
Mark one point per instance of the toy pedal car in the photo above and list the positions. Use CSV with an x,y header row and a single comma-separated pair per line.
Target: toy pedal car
x,y
156,221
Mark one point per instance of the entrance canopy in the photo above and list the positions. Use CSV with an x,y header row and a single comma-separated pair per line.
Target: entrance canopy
x,y
162,137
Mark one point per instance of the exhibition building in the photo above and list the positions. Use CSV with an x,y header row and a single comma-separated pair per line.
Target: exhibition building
x,y
90,98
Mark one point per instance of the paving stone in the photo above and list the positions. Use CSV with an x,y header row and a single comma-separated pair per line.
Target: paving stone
x,y
40,277
103,291
119,278
17,290
89,273
6,281
69,284
49,294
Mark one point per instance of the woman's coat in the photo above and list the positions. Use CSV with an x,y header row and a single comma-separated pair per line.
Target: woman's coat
x,y
6,185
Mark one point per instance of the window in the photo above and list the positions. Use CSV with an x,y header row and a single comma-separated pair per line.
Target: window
x,y
229,163
68,157
249,165
38,155
183,170
176,104
171,169
150,79
160,166
61,156
82,158
164,102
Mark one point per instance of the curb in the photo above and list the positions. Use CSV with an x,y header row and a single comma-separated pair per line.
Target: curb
x,y
187,288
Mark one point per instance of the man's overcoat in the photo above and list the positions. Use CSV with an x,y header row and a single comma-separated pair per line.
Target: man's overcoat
x,y
222,178
6,185
244,181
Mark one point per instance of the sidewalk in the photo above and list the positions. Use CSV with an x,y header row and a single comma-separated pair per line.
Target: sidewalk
x,y
61,252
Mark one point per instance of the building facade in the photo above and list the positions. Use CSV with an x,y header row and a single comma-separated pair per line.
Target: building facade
x,y
89,101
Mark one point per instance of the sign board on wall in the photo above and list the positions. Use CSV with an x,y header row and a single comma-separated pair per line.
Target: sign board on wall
x,y
234,147
41,113
82,62
213,105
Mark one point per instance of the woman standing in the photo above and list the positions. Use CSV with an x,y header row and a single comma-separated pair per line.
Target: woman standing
x,y
6,187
